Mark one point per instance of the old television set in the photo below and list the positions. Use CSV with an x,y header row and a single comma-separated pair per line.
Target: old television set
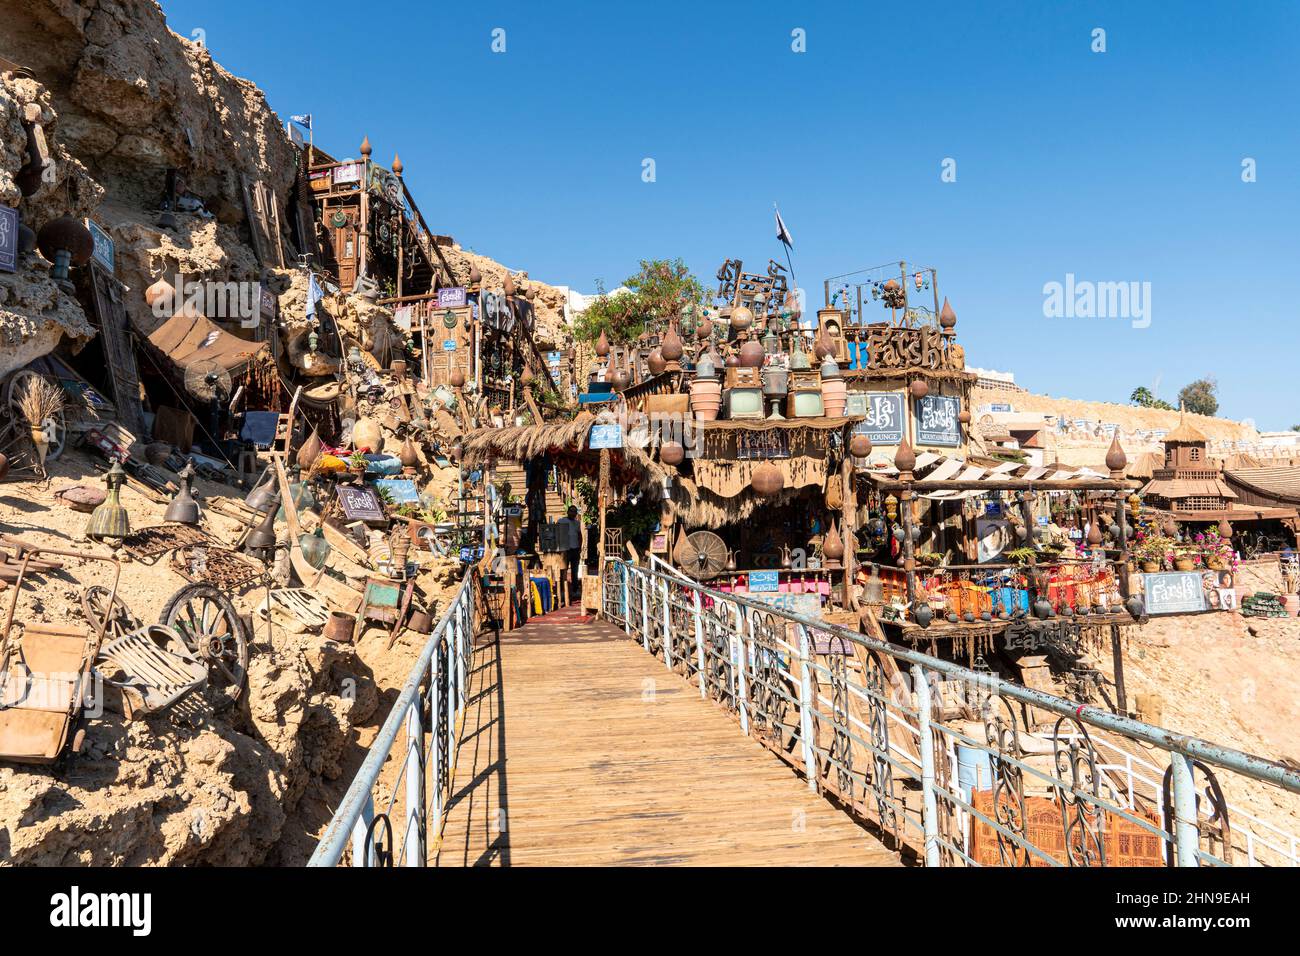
x,y
745,402
805,404
855,404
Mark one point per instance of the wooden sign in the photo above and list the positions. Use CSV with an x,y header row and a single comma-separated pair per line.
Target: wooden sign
x,y
936,421
1174,592
452,298
105,251
8,239
883,422
360,503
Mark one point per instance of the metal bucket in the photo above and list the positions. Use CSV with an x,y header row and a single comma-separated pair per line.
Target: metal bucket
x,y
340,627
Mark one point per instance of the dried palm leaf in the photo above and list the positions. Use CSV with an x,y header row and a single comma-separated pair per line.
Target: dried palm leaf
x,y
40,400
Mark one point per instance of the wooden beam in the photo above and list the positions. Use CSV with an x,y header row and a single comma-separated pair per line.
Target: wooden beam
x,y
1009,484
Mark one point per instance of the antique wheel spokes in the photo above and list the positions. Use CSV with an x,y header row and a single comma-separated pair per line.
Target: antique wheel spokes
x,y
210,627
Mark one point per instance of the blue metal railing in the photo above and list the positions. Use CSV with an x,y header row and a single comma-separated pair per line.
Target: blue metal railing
x,y
884,731
430,708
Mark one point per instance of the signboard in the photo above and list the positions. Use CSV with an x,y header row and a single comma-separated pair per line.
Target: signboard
x,y
809,605
8,239
449,345
936,420
1174,592
104,252
360,503
763,581
267,304
1001,407
347,173
452,298
606,436
883,423
400,490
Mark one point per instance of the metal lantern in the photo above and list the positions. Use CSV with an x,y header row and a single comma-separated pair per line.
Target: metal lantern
x,y
110,519
65,242
449,320
259,499
183,508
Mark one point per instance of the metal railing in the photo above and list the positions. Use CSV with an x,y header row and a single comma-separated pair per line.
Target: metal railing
x,y
431,709
955,765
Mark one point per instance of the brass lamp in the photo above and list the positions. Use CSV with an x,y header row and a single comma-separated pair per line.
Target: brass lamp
x,y
183,508
110,519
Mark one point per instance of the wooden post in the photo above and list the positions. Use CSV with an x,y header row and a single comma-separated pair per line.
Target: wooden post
x,y
602,503
1117,655
848,525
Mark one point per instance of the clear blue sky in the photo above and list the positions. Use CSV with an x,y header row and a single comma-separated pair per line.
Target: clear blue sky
x,y
1115,166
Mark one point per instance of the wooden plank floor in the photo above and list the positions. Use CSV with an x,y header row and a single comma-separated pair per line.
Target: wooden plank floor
x,y
579,748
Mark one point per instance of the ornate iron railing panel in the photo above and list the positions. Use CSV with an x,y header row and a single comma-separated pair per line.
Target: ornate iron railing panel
x,y
1036,780
430,707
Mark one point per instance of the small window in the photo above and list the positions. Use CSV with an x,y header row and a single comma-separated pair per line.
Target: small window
x,y
1196,454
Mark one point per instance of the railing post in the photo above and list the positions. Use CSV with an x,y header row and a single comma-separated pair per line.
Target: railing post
x,y
737,641
627,606
415,811
806,705
699,641
645,612
929,806
360,845
1186,832
436,704
668,626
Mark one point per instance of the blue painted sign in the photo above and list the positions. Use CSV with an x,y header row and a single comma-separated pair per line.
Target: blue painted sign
x,y
808,605
104,250
764,581
449,345
605,436
936,421
1174,592
883,422
8,239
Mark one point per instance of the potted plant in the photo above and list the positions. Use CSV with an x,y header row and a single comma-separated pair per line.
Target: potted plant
x,y
357,463
1022,557
1151,552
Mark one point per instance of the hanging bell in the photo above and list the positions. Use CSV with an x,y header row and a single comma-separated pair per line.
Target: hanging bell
x,y
262,538
183,508
110,519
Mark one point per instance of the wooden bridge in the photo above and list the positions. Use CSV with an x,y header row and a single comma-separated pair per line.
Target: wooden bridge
x,y
579,748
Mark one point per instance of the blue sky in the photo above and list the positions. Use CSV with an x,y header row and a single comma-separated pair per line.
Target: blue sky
x,y
1122,166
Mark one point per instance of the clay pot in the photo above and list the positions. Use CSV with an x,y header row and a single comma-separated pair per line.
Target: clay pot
x,y
309,452
835,395
672,453
602,345
672,346
741,318
706,398
833,545
947,317
1184,564
919,388
704,329
656,362
457,378
410,457
160,290
752,354
367,434
620,379
859,445
767,480
1150,567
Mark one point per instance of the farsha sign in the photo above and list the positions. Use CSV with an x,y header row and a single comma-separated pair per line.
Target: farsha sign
x,y
937,422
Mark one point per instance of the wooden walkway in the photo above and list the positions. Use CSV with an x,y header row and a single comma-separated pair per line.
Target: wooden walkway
x,y
580,748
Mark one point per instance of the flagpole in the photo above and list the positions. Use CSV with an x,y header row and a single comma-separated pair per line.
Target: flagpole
x,y
790,265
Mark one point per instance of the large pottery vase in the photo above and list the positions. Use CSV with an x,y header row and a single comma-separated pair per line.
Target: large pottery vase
x,y
366,434
706,399
834,396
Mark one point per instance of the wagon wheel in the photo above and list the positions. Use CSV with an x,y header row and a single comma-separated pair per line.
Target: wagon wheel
x,y
210,627
121,621
55,427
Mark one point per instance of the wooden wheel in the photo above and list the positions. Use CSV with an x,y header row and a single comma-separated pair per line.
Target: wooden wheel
x,y
94,602
210,627
55,427
702,555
